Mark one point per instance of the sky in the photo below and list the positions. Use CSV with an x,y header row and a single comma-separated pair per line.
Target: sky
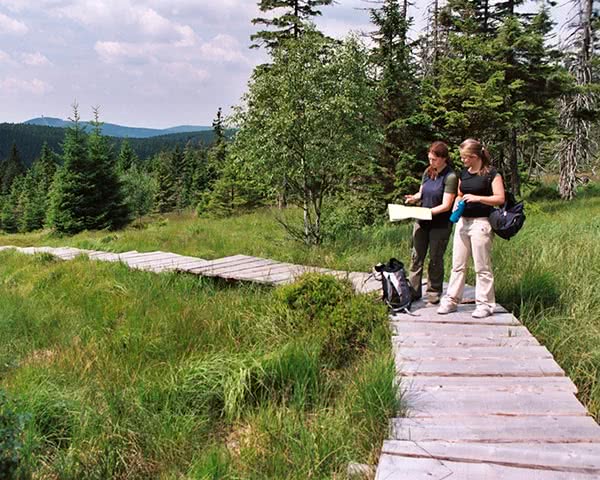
x,y
145,63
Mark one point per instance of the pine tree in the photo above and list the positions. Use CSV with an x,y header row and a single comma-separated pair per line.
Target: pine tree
x,y
11,207
106,203
11,169
292,23
397,103
165,198
86,193
127,157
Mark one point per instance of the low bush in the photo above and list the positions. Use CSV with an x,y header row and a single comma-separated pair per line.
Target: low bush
x,y
11,441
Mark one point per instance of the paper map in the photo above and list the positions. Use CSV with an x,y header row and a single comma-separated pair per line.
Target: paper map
x,y
402,212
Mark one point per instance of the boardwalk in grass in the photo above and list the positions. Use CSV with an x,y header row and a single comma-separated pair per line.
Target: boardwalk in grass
x,y
485,401
236,267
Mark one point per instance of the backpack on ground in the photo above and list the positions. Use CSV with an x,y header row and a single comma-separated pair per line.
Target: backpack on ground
x,y
507,220
395,286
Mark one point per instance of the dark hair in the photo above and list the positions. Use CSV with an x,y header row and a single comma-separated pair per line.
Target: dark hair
x,y
440,150
475,147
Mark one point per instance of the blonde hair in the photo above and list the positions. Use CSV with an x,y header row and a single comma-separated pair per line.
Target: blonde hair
x,y
474,147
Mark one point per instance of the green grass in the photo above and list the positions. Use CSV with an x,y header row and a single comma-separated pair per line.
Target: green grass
x,y
127,374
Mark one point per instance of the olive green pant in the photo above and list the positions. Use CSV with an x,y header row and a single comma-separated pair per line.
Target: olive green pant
x,y
435,240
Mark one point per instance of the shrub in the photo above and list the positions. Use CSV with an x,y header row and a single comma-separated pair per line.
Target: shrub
x,y
11,441
349,327
544,192
314,296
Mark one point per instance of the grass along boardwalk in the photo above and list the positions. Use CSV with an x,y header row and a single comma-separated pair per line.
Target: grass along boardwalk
x,y
236,267
485,401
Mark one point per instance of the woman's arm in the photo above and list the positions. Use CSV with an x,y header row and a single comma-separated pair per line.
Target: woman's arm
x,y
496,199
414,198
447,203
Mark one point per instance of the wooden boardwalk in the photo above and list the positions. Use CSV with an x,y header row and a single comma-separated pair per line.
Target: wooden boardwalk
x,y
485,401
236,267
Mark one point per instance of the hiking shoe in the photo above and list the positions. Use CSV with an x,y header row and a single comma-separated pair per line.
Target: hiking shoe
x,y
446,307
481,312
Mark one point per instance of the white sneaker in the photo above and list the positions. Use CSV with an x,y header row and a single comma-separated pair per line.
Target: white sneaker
x,y
446,307
481,312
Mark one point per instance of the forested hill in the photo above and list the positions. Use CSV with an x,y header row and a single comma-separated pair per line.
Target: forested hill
x,y
113,130
30,138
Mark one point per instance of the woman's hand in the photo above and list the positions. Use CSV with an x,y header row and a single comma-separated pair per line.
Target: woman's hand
x,y
412,198
470,198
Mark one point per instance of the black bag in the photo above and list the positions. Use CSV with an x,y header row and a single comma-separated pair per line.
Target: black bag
x,y
395,286
508,220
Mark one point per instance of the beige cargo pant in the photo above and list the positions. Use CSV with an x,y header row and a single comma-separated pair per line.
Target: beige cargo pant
x,y
472,237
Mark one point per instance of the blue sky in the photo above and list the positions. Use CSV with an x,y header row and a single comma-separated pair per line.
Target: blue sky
x,y
150,63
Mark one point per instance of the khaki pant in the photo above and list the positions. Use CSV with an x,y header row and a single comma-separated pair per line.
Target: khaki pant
x,y
472,237
435,240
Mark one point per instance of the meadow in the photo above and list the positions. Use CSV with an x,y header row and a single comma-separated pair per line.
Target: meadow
x,y
113,373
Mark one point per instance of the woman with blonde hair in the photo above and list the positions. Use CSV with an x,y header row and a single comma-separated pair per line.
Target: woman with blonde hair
x,y
481,187
437,192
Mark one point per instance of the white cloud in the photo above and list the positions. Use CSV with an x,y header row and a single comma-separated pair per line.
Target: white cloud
x,y
223,48
10,25
35,59
4,57
123,52
16,85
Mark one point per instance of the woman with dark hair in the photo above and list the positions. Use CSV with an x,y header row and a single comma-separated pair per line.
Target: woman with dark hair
x,y
481,187
437,192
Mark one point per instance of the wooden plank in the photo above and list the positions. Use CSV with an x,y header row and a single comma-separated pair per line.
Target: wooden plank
x,y
441,403
490,429
419,340
458,341
392,467
483,384
162,259
404,353
435,329
232,260
240,267
538,367
463,317
565,457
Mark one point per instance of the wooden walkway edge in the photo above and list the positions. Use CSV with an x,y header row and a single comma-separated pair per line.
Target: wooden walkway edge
x,y
486,401
236,267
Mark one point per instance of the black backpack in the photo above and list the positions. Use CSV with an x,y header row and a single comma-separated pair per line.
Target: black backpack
x,y
508,220
395,286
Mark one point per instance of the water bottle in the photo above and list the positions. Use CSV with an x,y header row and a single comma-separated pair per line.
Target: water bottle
x,y
456,214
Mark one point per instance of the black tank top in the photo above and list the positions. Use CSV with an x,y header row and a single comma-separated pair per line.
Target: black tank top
x,y
477,185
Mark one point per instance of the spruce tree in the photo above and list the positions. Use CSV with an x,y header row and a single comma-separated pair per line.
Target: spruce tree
x,y
11,169
398,101
127,157
291,23
86,193
165,198
106,202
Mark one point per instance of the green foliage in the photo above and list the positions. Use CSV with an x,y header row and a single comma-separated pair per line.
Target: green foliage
x,y
315,296
308,124
12,425
349,328
86,194
291,23
328,306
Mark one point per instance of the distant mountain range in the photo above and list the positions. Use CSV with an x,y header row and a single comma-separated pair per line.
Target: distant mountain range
x,y
112,130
